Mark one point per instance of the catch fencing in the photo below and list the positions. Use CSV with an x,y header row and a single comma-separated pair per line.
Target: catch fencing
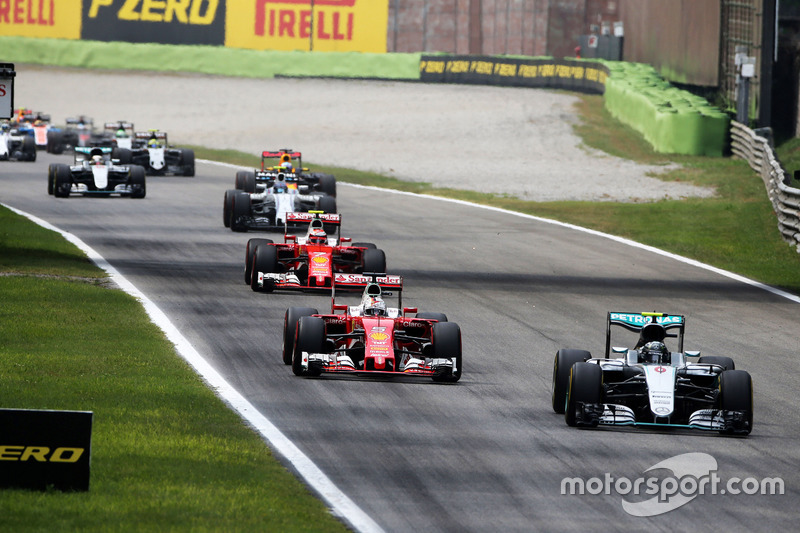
x,y
756,149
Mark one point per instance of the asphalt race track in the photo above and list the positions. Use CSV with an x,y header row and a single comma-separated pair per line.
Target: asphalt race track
x,y
486,454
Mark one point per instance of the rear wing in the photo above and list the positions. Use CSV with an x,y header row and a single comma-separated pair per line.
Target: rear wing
x,y
79,120
118,125
352,282
326,221
649,325
276,154
151,134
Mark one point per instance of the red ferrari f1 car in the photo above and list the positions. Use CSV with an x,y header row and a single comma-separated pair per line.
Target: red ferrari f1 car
x,y
370,338
308,262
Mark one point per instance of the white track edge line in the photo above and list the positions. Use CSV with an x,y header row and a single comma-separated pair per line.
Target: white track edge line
x,y
341,505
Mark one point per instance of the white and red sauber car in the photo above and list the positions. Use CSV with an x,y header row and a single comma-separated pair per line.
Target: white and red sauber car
x,y
357,339
300,264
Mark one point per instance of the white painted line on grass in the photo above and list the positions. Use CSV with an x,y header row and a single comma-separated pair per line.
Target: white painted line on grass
x,y
341,505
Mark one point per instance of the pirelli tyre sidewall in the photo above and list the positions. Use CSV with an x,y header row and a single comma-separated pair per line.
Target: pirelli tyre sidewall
x,y
137,182
562,365
446,340
250,249
62,181
374,260
585,386
240,211
265,259
736,394
310,338
290,319
227,207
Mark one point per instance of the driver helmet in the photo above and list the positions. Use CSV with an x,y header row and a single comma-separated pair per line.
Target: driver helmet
x,y
654,352
317,236
121,133
4,126
97,159
374,306
153,143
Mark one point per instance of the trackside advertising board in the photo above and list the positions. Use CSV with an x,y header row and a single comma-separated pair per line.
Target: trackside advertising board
x,y
49,19
581,76
318,25
155,21
41,449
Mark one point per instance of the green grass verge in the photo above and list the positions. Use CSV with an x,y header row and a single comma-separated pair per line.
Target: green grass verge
x,y
736,230
167,454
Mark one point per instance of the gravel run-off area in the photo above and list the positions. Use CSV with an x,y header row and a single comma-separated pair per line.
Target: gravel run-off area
x,y
513,141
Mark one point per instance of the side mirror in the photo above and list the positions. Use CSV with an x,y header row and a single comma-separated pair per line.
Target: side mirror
x,y
619,349
290,238
346,239
340,307
692,353
407,310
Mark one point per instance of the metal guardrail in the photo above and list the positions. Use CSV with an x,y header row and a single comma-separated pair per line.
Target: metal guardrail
x,y
748,145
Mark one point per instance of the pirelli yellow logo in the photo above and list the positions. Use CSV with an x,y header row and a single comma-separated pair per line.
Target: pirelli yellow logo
x,y
41,454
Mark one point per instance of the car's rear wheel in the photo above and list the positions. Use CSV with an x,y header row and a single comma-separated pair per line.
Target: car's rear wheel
x,y
430,315
736,394
62,181
265,259
374,260
28,149
123,155
310,339
187,162
446,340
327,204
725,362
327,184
252,244
227,207
290,319
585,386
562,365
245,181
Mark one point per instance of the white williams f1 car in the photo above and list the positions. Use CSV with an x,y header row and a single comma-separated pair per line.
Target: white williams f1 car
x,y
649,385
95,174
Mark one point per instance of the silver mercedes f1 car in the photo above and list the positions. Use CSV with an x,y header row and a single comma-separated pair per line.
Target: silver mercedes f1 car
x,y
650,385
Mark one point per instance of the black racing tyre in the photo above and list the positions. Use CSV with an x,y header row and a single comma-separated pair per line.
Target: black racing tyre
x,y
725,362
51,178
446,340
240,211
290,319
137,182
363,245
28,149
55,142
327,184
246,180
310,338
187,162
374,260
123,155
585,385
63,181
227,207
430,315
327,204
562,365
736,394
252,244
265,259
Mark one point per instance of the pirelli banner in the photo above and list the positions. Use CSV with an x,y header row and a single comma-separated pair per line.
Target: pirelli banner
x,y
44,449
304,25
573,75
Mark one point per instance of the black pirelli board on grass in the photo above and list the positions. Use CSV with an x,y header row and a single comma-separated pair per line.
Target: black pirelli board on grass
x,y
41,449
569,74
